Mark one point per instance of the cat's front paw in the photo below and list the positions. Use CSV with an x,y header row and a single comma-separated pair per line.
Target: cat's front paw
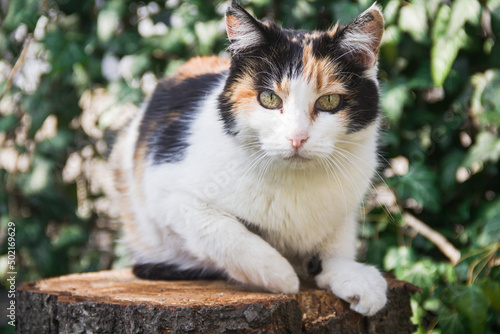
x,y
268,269
361,285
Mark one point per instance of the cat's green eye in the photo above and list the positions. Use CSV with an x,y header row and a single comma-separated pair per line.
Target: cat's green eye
x,y
270,100
328,102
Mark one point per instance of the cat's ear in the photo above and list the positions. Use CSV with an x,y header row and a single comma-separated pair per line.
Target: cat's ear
x,y
362,36
243,30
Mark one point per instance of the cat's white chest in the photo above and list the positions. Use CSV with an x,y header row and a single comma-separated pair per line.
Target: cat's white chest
x,y
292,214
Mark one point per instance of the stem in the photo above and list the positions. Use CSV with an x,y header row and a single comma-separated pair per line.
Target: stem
x,y
434,236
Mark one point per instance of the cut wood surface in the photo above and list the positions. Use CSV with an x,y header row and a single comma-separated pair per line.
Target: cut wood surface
x,y
117,302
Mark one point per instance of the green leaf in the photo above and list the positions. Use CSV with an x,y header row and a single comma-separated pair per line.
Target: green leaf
x,y
396,96
449,37
401,260
20,11
422,78
207,33
8,122
449,166
40,177
447,270
398,257
443,54
420,183
413,20
422,273
490,225
70,235
492,291
485,102
471,302
490,98
452,322
391,11
108,19
345,11
495,16
485,149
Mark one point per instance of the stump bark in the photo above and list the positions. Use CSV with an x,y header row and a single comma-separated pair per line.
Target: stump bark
x,y
118,302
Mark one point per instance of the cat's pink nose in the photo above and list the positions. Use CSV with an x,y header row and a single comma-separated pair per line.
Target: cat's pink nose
x,y
298,141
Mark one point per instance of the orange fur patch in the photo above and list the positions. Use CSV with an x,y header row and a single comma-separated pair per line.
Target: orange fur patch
x,y
122,199
139,169
333,30
243,93
202,65
121,179
282,88
322,74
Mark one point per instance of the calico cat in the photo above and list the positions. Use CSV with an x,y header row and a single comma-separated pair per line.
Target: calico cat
x,y
253,168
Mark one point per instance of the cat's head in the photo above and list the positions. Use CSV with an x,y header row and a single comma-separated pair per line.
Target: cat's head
x,y
294,94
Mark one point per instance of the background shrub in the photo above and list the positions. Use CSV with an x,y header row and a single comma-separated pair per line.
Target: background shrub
x,y
72,73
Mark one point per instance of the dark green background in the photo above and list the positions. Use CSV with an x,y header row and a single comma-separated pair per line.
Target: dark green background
x,y
440,80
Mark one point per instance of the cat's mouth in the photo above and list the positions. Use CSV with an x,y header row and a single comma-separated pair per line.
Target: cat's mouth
x,y
297,158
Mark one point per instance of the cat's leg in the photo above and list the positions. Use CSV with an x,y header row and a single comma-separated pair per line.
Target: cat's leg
x,y
220,240
361,285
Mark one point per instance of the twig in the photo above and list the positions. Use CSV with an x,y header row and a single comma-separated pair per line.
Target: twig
x,y
17,66
434,236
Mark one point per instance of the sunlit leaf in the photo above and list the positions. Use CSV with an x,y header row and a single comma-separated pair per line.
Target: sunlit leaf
x,y
443,54
413,20
421,273
207,33
449,36
485,149
396,96
398,257
107,22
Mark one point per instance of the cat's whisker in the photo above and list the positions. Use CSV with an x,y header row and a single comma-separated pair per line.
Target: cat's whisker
x,y
349,178
261,155
372,187
345,172
368,148
343,55
332,169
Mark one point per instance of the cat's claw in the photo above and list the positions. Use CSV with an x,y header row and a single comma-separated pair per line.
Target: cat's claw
x,y
360,285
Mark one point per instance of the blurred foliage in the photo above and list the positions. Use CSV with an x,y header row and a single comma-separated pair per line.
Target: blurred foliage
x,y
72,72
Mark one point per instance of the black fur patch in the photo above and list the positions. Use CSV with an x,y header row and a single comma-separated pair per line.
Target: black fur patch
x,y
314,266
169,272
363,99
168,117
226,115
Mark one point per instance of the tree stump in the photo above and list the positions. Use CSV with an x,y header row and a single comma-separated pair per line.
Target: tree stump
x,y
117,302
